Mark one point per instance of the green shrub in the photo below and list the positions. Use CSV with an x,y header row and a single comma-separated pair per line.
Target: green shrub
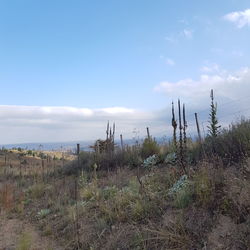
x,y
86,161
149,147
232,145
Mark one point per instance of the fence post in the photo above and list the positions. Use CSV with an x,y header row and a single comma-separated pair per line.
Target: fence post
x,y
148,134
122,142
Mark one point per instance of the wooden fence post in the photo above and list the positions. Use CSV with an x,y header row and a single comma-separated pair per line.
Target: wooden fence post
x,y
148,134
122,145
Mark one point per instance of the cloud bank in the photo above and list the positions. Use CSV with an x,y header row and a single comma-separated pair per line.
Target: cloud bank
x,y
54,124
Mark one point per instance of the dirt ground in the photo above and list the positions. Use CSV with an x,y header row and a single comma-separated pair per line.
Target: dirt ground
x,y
17,234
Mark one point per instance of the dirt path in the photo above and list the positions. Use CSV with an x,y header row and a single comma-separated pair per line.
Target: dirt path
x,y
20,235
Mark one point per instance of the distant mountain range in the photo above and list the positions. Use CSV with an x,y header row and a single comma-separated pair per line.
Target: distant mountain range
x,y
64,146
51,146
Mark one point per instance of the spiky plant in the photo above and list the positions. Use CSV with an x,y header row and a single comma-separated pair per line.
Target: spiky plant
x,y
213,127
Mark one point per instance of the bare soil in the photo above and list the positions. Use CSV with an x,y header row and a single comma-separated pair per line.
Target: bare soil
x,y
19,234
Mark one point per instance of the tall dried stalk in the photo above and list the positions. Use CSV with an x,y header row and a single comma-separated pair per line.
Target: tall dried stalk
x,y
184,133
174,125
181,151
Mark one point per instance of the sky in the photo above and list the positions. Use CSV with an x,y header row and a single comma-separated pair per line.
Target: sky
x,y
67,67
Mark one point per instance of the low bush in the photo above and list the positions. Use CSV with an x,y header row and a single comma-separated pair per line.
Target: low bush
x,y
36,191
105,161
232,145
149,147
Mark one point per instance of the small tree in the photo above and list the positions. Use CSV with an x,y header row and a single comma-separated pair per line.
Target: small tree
x,y
213,127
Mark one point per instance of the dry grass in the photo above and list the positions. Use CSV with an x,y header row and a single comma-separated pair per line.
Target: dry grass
x,y
7,200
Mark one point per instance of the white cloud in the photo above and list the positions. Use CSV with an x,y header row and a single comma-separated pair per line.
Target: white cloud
x,y
225,84
170,62
210,68
171,39
230,88
237,53
175,38
118,110
187,33
240,18
183,21
217,51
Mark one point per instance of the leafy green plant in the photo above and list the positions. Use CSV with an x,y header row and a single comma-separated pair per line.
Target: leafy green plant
x,y
43,213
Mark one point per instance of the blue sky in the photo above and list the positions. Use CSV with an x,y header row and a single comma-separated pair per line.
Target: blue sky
x,y
129,54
